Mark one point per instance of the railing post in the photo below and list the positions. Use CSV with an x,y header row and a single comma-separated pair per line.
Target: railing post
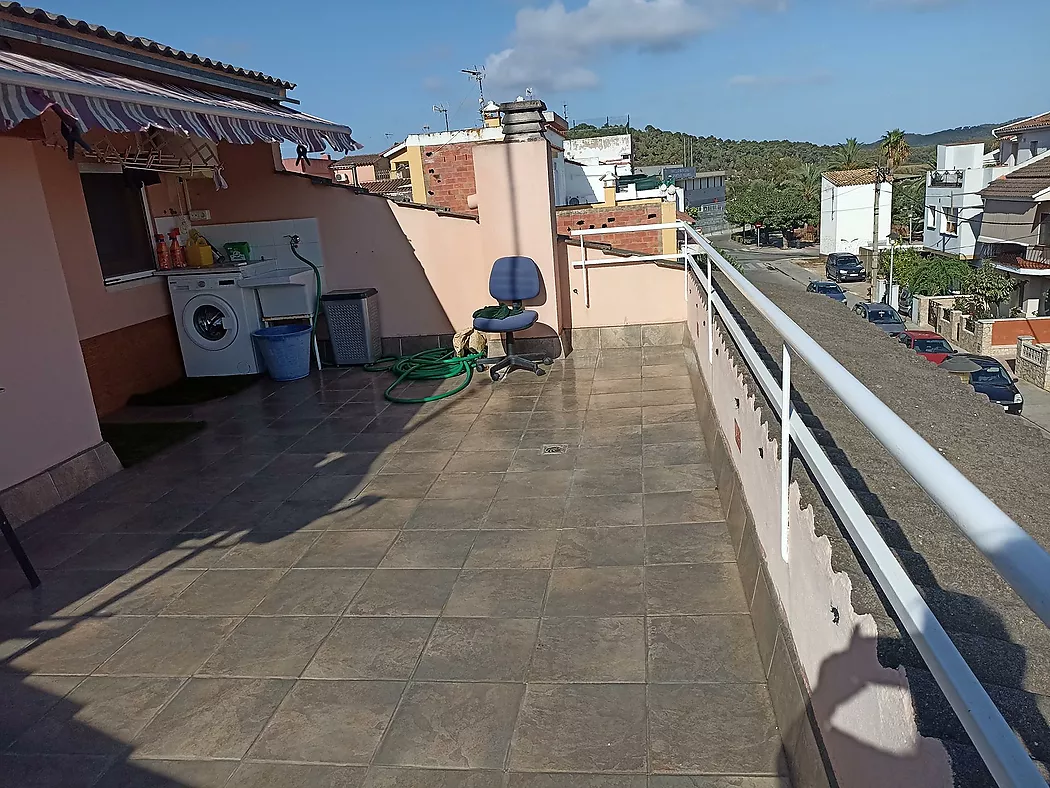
x,y
785,449
586,279
710,314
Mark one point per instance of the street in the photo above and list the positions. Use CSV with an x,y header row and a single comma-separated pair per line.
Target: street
x,y
770,265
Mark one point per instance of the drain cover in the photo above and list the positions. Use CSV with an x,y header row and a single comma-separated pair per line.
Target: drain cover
x,y
554,448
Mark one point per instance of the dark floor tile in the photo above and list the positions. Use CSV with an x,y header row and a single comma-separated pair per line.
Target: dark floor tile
x,y
694,506
204,489
616,417
533,514
605,591
212,718
269,647
403,777
329,722
118,552
224,592
452,725
480,461
528,460
371,512
692,543
267,550
51,771
25,699
535,484
606,481
142,592
266,486
167,774
312,592
475,487
229,515
404,592
502,440
400,485
627,436
625,458
703,649
371,648
81,648
616,385
657,455
478,649
512,550
439,514
676,432
581,727
429,550
678,478
577,781
331,489
348,549
99,717
603,511
163,518
696,589
418,462
48,550
590,650
296,775
536,437
62,594
169,646
591,547
713,728
718,781
498,592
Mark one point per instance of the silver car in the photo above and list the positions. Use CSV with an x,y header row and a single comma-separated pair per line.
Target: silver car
x,y
881,315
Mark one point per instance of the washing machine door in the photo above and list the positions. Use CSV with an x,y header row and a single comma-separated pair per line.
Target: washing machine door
x,y
210,322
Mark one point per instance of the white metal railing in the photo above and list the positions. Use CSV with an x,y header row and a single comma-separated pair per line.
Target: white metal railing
x,y
1016,556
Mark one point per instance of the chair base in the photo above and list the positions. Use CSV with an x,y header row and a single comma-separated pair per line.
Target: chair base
x,y
500,366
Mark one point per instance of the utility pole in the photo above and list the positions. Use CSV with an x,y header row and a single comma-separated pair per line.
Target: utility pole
x,y
478,75
444,111
881,176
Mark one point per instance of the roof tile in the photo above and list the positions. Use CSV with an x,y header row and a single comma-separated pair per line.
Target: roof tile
x,y
851,177
1036,122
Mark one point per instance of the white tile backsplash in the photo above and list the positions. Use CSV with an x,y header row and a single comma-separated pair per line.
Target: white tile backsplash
x,y
267,239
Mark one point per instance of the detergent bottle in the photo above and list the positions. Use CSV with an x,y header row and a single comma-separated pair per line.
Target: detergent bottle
x,y
178,258
163,258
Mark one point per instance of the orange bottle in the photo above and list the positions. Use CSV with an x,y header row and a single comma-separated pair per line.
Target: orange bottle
x,y
163,258
178,257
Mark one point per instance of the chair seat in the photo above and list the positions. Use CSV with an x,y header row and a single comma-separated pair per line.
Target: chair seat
x,y
512,323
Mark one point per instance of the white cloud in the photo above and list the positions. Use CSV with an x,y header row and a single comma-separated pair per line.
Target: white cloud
x,y
766,81
433,83
556,48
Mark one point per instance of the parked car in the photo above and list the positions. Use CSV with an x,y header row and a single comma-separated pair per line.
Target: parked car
x,y
883,316
844,267
830,289
987,376
928,344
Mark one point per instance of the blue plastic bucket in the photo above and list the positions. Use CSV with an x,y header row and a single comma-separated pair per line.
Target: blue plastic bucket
x,y
285,351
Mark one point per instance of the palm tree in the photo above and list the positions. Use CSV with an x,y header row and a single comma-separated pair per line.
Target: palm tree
x,y
849,156
895,148
806,178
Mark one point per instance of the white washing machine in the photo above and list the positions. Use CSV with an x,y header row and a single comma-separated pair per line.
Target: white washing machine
x,y
215,318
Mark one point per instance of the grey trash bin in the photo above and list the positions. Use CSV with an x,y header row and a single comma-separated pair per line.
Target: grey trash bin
x,y
353,325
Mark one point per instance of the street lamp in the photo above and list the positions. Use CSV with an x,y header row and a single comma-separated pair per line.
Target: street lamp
x,y
895,238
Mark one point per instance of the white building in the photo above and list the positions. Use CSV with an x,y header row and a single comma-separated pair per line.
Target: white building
x,y
847,210
954,207
587,163
1020,141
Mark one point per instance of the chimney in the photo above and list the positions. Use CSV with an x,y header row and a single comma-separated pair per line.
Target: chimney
x,y
522,119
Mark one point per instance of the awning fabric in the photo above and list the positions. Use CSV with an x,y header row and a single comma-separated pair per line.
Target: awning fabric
x,y
98,99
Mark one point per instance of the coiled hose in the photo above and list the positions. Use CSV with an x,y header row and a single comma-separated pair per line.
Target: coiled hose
x,y
434,364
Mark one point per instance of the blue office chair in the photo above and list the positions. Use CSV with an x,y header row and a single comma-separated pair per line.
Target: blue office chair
x,y
513,280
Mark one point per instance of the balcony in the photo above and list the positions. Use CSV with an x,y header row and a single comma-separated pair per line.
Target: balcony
x,y
945,179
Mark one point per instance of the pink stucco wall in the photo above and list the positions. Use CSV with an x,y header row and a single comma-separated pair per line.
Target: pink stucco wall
x,y
98,309
628,294
46,412
429,269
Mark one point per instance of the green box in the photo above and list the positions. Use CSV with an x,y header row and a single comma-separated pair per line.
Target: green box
x,y
238,251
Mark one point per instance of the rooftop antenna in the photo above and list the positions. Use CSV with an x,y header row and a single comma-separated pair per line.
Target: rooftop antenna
x,y
528,93
444,111
478,75
426,128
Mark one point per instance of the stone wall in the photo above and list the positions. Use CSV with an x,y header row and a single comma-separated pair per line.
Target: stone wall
x,y
1033,362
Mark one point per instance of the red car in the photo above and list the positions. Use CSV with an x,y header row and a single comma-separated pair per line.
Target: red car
x,y
932,346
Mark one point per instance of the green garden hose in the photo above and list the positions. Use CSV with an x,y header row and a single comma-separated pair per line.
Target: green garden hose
x,y
436,364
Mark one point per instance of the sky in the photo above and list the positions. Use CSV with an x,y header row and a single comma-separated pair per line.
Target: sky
x,y
815,70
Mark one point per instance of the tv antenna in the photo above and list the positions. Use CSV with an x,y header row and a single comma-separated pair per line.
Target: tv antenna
x,y
444,111
478,75
426,128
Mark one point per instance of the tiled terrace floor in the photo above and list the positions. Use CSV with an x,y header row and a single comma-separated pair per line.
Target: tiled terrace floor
x,y
321,590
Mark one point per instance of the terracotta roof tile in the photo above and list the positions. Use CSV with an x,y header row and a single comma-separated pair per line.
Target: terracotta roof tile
x,y
358,159
851,177
1022,184
1016,261
387,187
60,21
1036,122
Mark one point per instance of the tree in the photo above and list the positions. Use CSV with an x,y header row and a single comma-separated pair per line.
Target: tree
x,y
986,287
806,179
849,156
895,148
906,263
909,201
938,275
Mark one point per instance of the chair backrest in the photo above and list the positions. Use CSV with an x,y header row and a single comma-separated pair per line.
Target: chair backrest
x,y
514,279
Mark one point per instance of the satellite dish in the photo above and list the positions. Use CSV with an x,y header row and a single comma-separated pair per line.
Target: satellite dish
x,y
574,201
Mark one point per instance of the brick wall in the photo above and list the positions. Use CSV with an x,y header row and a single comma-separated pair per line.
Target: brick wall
x,y
592,217
131,360
448,173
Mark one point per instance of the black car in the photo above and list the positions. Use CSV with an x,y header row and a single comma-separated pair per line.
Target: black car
x,y
844,267
830,289
992,380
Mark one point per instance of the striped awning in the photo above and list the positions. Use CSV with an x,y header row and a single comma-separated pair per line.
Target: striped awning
x,y
97,99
